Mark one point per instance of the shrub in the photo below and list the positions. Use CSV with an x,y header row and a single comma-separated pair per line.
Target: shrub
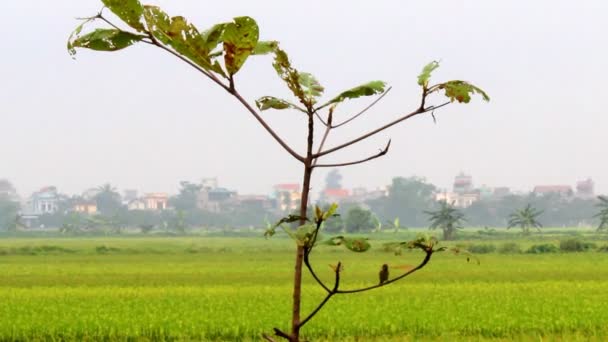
x,y
482,249
603,248
103,249
509,248
575,245
544,248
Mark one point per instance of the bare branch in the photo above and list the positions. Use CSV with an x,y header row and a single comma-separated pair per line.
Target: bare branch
x,y
267,127
429,253
314,275
326,299
189,62
364,110
107,21
321,119
380,129
378,155
280,333
230,89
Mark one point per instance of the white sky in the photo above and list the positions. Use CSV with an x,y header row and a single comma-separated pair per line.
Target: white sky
x,y
141,119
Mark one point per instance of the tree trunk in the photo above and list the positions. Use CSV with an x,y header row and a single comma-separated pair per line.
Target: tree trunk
x,y
297,281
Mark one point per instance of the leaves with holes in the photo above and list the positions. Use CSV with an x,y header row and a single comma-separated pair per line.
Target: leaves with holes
x,y
271,102
367,89
103,40
303,85
312,88
183,37
240,40
425,75
265,47
358,245
461,91
130,11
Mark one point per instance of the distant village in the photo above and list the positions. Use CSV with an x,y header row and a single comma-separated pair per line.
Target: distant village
x,y
213,198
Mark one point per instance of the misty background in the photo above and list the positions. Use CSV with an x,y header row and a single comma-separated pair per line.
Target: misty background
x,y
139,118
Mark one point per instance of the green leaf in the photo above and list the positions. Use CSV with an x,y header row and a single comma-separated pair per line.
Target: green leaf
x,y
75,34
461,91
357,244
265,47
105,40
331,211
289,75
240,40
213,36
367,89
271,102
425,75
312,88
334,241
304,234
130,11
183,37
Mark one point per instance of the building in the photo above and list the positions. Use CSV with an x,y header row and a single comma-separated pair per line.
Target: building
x,y
287,196
256,202
458,200
335,196
85,207
215,200
44,201
585,189
137,204
156,201
463,184
562,190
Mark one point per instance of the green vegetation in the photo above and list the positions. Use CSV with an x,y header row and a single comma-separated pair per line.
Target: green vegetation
x,y
525,219
602,215
447,218
219,289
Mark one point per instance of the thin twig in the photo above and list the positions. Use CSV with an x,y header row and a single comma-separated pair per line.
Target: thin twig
x,y
281,333
429,253
189,62
380,129
268,129
377,155
364,110
233,92
314,275
327,129
321,119
107,21
326,299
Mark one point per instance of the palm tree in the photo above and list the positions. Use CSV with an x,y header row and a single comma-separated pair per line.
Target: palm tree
x,y
525,218
108,199
447,218
603,214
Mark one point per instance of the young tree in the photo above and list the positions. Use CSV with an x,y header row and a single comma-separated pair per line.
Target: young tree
x,y
525,218
358,220
107,199
447,218
602,215
218,54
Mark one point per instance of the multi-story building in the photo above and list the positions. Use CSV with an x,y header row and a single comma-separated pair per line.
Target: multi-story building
x,y
585,189
287,196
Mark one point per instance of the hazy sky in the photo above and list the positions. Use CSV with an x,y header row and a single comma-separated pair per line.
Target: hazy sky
x,y
140,118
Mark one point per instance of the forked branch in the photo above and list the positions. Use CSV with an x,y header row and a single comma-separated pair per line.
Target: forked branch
x,y
377,155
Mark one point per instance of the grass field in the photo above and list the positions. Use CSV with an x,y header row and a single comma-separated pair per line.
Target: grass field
x,y
201,288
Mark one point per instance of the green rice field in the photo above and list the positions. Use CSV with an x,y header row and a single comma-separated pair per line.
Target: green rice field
x,y
235,289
